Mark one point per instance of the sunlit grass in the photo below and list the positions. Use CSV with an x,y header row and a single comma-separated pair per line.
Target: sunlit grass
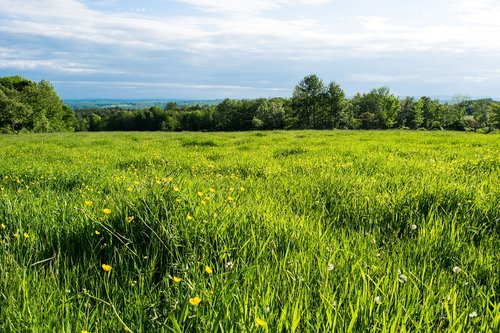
x,y
261,231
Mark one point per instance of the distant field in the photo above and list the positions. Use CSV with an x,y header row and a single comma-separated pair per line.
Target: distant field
x,y
297,231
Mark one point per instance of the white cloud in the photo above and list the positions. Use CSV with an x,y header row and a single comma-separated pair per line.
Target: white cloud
x,y
245,7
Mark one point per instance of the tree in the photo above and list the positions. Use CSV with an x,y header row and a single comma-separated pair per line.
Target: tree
x,y
307,101
494,114
270,114
336,104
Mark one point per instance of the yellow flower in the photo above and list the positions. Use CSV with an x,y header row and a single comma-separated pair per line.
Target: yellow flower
x,y
106,211
158,181
231,189
130,219
203,202
170,179
26,235
260,322
87,203
212,190
130,189
215,215
230,198
176,189
16,235
3,226
242,189
200,194
195,301
208,270
176,279
84,331
189,217
106,268
97,232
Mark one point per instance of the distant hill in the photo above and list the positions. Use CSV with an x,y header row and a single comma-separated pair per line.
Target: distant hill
x,y
131,103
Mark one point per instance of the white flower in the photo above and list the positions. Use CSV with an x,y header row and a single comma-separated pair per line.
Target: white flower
x,y
374,241
473,314
229,265
268,309
456,269
378,300
413,227
402,278
329,267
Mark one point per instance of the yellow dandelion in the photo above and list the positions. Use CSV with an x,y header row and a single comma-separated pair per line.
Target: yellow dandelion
x,y
208,270
231,189
84,331
189,217
242,189
195,301
176,279
130,219
106,268
200,194
170,179
136,183
176,189
158,181
3,226
130,189
26,235
260,322
203,202
106,211
87,203
212,190
164,180
97,232
230,198
16,235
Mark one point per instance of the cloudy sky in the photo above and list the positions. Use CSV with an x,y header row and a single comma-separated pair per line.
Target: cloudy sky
x,y
205,49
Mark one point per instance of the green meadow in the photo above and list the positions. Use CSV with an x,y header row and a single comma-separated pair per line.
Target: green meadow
x,y
297,231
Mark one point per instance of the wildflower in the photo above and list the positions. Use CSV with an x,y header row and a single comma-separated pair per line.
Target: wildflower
x,y
378,300
130,219
97,232
212,190
170,179
195,301
176,189
208,270
203,202
229,265
413,227
402,278
106,211
260,322
215,215
189,217
26,235
137,183
176,279
3,226
130,189
84,331
16,235
200,194
231,189
87,203
230,198
268,309
106,268
158,181
242,189
473,314
329,267
456,269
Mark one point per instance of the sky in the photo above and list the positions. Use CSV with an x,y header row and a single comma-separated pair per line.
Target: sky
x,y
211,49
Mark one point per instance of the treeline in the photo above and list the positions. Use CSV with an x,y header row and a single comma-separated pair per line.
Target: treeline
x,y
33,107
313,105
30,106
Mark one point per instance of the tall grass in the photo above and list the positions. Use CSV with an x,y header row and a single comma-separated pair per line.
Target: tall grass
x,y
301,232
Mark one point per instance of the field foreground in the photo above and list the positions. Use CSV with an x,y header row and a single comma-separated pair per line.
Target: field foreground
x,y
245,232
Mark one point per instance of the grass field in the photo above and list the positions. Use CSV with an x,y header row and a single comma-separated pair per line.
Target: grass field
x,y
273,231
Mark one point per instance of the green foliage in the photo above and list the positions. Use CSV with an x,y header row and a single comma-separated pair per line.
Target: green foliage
x,y
327,231
30,106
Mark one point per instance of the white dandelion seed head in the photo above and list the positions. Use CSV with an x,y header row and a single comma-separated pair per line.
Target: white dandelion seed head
x,y
229,265
329,267
473,314
413,227
378,300
268,309
402,278
456,269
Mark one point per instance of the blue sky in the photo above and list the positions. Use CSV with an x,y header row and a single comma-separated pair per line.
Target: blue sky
x,y
206,49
